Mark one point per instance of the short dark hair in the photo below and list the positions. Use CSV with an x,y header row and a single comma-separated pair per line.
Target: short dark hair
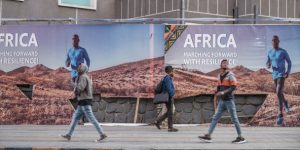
x,y
76,35
276,36
168,69
224,60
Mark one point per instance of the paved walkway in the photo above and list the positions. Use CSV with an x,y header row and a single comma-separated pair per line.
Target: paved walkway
x,y
146,137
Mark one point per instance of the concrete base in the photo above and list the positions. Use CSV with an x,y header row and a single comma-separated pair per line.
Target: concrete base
x,y
146,137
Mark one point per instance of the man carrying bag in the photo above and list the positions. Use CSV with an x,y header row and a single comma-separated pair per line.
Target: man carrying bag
x,y
166,95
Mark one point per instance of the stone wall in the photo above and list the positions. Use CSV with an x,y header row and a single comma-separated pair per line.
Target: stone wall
x,y
190,110
114,110
199,109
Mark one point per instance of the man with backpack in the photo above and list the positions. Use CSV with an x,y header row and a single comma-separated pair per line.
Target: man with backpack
x,y
167,86
226,86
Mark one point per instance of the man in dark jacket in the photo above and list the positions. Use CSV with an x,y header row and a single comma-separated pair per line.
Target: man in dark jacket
x,y
226,86
168,87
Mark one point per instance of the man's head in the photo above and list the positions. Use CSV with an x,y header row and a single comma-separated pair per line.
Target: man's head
x,y
169,70
75,40
224,64
82,68
275,41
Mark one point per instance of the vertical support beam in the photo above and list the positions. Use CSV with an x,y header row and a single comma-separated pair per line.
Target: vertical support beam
x,y
164,5
217,7
207,6
245,7
227,7
294,8
182,11
76,16
254,14
149,8
134,8
121,9
1,12
286,8
277,8
198,5
269,7
236,13
128,9
137,108
259,7
156,7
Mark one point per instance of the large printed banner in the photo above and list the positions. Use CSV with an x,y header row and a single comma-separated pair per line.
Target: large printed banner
x,y
197,50
125,60
128,61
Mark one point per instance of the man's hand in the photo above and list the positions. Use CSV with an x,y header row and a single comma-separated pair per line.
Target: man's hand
x,y
220,94
268,65
68,63
286,75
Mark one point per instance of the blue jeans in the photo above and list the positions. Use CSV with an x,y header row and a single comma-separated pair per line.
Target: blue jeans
x,y
87,111
222,106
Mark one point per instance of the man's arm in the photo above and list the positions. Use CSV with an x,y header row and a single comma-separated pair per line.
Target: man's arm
x,y
289,62
67,62
232,87
170,88
268,63
81,85
87,58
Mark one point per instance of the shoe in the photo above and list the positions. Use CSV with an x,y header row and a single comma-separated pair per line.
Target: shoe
x,y
239,140
206,138
172,130
286,106
102,137
68,137
279,120
157,125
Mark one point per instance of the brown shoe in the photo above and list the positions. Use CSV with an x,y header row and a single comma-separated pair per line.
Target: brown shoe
x,y
172,130
68,137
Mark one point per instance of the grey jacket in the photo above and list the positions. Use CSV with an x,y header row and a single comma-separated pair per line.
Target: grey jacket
x,y
83,88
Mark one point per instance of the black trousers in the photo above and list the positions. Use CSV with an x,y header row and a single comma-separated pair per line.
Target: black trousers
x,y
279,84
168,114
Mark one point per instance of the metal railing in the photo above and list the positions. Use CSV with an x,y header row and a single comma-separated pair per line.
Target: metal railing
x,y
275,20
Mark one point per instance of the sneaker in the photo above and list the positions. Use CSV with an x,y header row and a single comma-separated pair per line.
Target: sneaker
x,y
102,137
279,120
206,138
239,140
286,106
172,130
66,136
157,125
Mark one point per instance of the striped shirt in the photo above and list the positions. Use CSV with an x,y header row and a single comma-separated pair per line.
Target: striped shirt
x,y
227,85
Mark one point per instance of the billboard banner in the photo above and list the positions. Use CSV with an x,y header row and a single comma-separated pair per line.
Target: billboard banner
x,y
124,61
196,51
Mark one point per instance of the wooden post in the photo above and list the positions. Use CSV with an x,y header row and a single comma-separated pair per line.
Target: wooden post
x,y
137,108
